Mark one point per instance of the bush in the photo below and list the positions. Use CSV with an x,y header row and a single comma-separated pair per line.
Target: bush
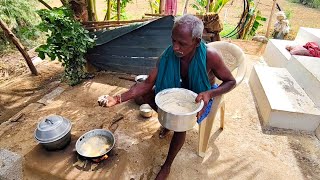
x,y
67,41
310,3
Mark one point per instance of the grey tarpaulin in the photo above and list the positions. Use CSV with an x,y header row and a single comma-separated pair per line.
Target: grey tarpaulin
x,y
131,49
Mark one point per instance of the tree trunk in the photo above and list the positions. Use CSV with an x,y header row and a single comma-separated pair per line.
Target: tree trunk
x,y
208,6
89,9
118,9
161,7
64,2
79,8
109,9
19,46
45,4
94,5
248,27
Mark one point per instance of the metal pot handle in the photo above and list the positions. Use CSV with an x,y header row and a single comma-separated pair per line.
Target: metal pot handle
x,y
48,121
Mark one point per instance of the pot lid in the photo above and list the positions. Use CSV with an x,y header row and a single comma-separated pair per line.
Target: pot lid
x,y
52,128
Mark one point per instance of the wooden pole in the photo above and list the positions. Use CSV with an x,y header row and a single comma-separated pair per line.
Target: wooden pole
x,y
20,47
270,18
118,9
45,4
185,11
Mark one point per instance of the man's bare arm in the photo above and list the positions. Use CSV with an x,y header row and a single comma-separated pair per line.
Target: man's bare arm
x,y
141,88
135,91
221,71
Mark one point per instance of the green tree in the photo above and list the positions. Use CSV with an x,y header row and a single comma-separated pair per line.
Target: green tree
x,y
21,18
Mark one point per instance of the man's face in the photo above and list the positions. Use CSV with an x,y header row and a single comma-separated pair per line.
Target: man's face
x,y
182,41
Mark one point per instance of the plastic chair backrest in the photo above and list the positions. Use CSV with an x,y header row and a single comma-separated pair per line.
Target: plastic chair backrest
x,y
233,57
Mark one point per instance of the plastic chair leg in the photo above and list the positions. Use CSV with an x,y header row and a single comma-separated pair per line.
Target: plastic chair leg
x,y
222,110
206,126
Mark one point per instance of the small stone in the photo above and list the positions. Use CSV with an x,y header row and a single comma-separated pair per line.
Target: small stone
x,y
262,39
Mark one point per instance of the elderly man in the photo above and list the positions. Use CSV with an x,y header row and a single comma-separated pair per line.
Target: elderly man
x,y
187,63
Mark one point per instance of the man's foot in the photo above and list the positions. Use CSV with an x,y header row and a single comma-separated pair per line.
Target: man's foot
x,y
163,132
163,173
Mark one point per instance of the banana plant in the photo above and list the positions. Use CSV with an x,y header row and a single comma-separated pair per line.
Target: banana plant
x,y
200,6
257,23
215,6
253,21
218,5
154,5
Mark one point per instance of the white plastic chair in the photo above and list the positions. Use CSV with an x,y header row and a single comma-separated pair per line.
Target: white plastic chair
x,y
234,58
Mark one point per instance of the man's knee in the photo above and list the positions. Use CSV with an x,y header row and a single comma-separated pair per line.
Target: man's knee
x,y
146,99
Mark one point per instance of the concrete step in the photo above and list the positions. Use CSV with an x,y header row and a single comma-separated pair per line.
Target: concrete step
x,y
306,71
307,35
282,103
276,54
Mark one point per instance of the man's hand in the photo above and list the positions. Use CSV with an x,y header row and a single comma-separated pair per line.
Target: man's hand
x,y
107,101
205,97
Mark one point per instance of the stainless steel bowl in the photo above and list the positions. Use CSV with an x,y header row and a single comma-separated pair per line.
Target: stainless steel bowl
x,y
146,110
53,132
177,121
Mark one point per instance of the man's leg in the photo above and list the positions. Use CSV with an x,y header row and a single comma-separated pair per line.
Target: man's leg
x,y
149,98
177,142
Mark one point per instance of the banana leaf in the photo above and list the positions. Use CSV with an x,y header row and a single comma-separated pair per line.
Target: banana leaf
x,y
219,5
257,23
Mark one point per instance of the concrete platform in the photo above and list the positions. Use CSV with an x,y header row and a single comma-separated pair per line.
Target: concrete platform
x,y
10,165
281,101
307,35
306,71
276,54
66,164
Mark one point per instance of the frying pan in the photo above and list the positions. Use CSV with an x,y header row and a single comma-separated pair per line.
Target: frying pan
x,y
106,136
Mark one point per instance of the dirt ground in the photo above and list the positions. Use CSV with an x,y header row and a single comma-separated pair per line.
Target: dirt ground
x,y
18,92
243,150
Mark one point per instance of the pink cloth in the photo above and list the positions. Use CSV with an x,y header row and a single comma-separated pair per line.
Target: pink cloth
x,y
171,7
313,49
